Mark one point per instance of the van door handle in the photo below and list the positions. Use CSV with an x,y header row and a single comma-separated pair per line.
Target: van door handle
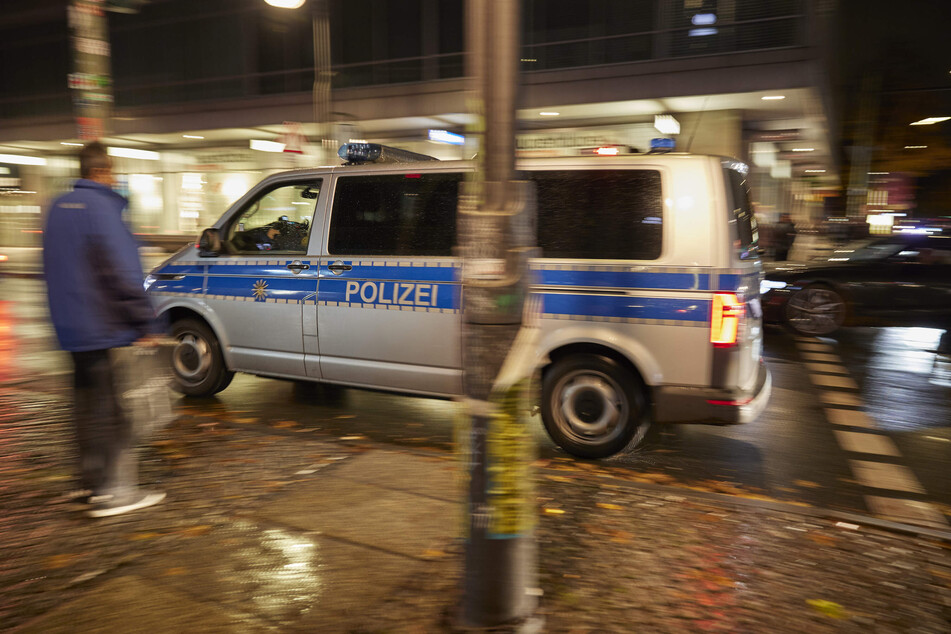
x,y
297,266
338,267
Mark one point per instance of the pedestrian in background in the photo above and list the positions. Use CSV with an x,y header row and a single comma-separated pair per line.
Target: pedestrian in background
x,y
97,303
784,236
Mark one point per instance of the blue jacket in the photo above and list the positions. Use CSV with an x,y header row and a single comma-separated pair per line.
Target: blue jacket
x,y
93,272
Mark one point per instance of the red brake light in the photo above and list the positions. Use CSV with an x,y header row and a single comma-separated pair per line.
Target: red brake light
x,y
727,310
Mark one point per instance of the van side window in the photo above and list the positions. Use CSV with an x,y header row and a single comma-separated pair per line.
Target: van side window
x,y
600,214
279,220
401,214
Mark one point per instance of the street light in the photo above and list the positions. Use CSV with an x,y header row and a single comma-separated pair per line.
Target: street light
x,y
322,73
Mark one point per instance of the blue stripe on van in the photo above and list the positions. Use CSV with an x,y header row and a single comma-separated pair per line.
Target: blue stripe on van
x,y
188,284
625,279
732,281
624,307
260,288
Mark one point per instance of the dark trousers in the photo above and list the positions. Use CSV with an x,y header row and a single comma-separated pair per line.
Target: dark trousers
x,y
103,433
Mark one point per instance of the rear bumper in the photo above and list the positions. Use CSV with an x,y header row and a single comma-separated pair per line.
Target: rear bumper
x,y
681,404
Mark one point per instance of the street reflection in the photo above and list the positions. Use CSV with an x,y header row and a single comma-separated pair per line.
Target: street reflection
x,y
282,570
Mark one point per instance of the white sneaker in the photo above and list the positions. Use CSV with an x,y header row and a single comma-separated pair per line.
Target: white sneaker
x,y
109,505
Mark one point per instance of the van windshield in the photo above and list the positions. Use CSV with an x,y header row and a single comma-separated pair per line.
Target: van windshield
x,y
746,240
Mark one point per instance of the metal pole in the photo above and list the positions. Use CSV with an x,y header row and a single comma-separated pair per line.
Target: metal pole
x,y
496,220
322,80
91,79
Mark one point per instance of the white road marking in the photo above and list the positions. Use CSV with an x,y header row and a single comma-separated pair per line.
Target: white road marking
x,y
817,356
826,368
859,442
849,418
906,511
827,380
882,475
840,398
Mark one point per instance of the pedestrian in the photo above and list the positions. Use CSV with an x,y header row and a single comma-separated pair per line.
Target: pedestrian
x,y
784,237
97,303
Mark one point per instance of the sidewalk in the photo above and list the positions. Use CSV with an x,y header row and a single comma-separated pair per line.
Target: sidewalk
x,y
282,530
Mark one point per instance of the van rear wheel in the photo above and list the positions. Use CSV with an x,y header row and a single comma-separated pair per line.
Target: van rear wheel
x,y
198,366
592,407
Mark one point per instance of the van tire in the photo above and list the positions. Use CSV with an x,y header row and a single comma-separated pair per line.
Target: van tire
x,y
592,407
198,367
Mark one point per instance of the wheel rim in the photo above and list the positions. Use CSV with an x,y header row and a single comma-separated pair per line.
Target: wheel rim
x,y
815,311
589,407
191,358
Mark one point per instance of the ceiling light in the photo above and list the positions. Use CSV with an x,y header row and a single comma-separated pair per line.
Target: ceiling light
x,y
69,143
192,136
878,173
773,97
804,149
266,146
814,171
666,124
286,4
915,147
930,121
16,159
125,152
549,114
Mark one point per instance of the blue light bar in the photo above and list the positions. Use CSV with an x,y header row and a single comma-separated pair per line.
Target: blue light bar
x,y
443,136
359,152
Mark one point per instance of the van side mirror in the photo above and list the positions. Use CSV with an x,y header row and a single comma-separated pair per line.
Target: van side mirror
x,y
209,244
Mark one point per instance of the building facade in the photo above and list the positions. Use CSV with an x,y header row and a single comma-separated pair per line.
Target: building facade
x,y
203,90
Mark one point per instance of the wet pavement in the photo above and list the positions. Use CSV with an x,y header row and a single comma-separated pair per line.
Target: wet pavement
x,y
273,526
298,508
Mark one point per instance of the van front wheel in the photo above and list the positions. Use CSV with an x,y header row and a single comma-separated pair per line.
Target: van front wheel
x,y
198,367
592,407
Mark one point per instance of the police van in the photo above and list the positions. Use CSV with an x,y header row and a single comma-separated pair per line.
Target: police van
x,y
648,282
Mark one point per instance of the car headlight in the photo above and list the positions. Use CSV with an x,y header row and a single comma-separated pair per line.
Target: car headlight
x,y
767,285
149,280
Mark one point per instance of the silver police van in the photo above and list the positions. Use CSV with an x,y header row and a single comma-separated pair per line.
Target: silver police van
x,y
649,285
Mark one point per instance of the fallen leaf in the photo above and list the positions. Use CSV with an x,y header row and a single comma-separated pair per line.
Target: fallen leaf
x,y
807,484
558,478
175,572
823,540
58,561
610,507
621,537
551,511
285,424
828,608
135,537
196,531
357,437
346,416
433,554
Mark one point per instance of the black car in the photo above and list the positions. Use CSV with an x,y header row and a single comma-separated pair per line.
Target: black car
x,y
898,280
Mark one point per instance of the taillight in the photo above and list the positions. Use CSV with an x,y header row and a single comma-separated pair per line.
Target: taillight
x,y
725,319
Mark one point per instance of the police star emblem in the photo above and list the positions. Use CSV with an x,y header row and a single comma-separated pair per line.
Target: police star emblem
x,y
260,290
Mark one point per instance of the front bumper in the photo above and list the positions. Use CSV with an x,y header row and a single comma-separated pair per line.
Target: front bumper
x,y
681,404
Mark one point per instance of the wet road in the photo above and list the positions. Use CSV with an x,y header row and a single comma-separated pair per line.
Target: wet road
x,y
859,422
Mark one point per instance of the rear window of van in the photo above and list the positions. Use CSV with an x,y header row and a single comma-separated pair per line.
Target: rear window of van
x,y
599,214
747,234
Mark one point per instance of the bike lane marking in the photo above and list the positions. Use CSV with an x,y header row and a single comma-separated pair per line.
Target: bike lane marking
x,y
843,408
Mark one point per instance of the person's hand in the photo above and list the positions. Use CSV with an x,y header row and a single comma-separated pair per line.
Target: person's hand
x,y
273,233
150,341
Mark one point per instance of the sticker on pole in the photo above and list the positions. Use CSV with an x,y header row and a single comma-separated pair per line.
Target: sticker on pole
x,y
484,268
